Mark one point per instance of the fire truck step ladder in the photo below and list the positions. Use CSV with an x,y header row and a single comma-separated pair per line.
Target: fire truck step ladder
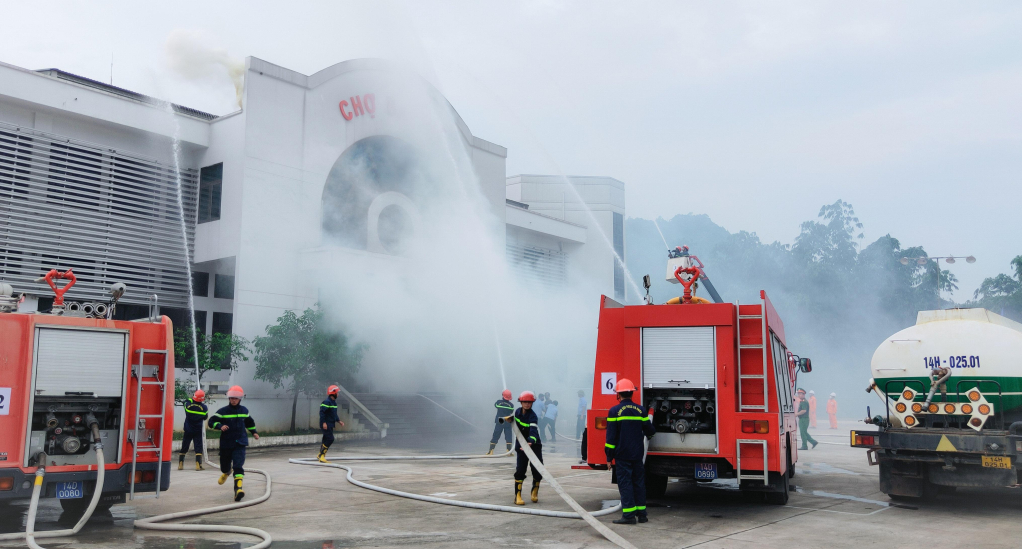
x,y
146,441
765,477
761,317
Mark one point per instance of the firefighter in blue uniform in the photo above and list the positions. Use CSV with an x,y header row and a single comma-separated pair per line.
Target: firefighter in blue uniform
x,y
327,419
195,417
627,424
234,424
527,422
504,408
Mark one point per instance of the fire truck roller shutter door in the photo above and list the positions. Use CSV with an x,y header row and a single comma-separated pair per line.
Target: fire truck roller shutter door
x,y
86,361
679,357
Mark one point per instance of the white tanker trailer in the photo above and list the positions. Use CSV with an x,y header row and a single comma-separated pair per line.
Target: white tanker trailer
x,y
951,388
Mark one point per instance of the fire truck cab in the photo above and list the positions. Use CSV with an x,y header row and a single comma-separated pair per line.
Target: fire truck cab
x,y
718,382
67,376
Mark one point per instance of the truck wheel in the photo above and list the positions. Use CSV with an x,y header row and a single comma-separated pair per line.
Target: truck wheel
x,y
781,497
656,485
791,466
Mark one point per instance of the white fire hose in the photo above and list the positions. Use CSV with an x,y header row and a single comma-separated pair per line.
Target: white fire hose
x,y
30,533
152,523
579,511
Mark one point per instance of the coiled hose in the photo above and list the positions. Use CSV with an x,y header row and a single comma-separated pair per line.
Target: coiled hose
x,y
152,523
30,533
579,511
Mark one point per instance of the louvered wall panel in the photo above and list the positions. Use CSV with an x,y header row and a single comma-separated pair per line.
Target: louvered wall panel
x,y
683,357
548,268
108,215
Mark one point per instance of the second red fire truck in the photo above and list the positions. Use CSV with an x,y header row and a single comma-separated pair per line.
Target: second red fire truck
x,y
719,381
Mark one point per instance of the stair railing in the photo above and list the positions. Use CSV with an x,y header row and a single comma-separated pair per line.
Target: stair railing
x,y
368,414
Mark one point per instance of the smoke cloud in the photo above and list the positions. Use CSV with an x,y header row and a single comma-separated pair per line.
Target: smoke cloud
x,y
193,56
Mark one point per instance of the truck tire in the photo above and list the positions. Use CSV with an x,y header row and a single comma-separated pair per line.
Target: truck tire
x,y
791,466
656,485
779,497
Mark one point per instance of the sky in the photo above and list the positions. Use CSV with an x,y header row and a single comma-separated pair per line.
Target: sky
x,y
753,113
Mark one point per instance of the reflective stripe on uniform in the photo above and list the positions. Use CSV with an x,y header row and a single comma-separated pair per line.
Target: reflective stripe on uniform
x,y
233,416
640,507
629,510
627,418
608,445
199,412
327,406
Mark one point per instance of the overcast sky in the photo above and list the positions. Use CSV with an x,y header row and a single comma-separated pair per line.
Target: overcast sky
x,y
754,113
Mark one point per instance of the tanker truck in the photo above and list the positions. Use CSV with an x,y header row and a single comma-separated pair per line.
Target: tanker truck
x,y
951,391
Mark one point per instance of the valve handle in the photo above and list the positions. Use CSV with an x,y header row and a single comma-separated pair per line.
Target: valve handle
x,y
696,272
58,293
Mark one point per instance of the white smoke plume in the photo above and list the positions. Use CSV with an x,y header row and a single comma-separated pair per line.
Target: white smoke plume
x,y
192,55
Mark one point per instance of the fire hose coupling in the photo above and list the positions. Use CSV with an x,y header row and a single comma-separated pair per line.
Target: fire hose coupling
x,y
58,293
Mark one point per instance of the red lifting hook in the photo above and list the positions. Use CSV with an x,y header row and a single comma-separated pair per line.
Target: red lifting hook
x,y
58,293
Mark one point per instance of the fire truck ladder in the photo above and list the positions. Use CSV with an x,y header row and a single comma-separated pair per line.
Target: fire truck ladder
x,y
742,374
765,477
145,440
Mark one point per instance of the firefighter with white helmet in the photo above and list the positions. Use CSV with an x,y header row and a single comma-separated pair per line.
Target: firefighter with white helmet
x,y
234,424
504,408
528,423
327,419
195,417
627,425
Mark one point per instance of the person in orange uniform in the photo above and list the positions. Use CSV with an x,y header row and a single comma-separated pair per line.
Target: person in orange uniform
x,y
812,409
832,410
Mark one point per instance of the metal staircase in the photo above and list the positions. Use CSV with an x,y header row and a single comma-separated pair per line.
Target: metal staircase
x,y
751,369
144,440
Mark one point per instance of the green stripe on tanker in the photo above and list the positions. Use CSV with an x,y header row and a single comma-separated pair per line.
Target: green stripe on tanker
x,y
975,344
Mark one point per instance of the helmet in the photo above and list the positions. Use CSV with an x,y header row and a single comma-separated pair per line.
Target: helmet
x,y
624,386
333,390
506,394
235,392
812,392
833,394
199,395
526,396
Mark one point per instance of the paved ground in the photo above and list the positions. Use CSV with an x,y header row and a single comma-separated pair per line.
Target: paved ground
x,y
837,505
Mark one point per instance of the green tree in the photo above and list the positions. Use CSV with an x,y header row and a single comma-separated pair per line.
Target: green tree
x,y
302,354
215,353
1002,293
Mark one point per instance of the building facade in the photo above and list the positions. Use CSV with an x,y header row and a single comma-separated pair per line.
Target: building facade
x,y
313,170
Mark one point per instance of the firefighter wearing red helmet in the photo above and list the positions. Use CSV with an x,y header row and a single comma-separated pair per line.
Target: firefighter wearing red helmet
x,y
327,419
627,424
528,423
234,424
195,417
504,408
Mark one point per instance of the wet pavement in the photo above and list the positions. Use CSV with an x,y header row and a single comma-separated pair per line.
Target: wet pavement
x,y
836,503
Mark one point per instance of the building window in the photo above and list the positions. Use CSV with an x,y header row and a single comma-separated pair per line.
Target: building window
x,y
200,321
223,287
223,323
210,183
619,249
200,284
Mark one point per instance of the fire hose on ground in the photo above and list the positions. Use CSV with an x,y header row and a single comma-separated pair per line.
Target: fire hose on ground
x,y
579,511
154,523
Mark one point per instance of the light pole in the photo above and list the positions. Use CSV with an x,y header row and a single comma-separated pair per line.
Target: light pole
x,y
950,259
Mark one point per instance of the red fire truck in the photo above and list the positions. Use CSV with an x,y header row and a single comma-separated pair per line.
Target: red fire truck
x,y
74,373
719,382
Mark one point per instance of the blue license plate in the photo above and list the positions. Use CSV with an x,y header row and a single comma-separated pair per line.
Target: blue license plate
x,y
70,490
706,471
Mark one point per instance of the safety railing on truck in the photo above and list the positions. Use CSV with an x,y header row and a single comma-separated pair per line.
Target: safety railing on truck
x,y
958,420
366,412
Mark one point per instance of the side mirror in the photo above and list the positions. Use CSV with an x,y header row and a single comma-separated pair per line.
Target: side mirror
x,y
646,283
805,365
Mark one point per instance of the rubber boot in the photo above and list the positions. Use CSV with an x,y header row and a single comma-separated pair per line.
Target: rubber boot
x,y
238,492
198,463
625,520
180,462
535,491
322,454
490,453
223,478
518,493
